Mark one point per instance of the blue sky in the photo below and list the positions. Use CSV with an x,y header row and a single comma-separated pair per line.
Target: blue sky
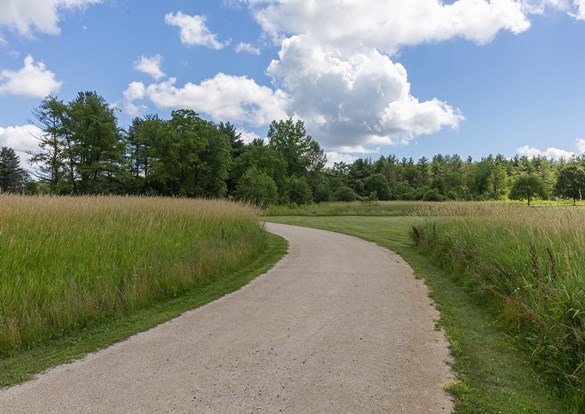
x,y
371,77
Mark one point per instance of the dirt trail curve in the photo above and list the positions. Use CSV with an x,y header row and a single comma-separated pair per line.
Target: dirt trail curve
x,y
340,325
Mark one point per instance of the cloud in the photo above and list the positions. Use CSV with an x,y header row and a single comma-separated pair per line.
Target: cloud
x,y
389,24
579,12
32,80
554,153
151,66
26,16
248,136
333,157
23,140
581,145
223,97
350,98
247,48
135,91
194,31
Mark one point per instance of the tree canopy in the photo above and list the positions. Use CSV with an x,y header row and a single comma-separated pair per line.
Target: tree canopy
x,y
83,150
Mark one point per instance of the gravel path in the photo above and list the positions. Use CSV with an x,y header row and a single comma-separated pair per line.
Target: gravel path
x,y
339,325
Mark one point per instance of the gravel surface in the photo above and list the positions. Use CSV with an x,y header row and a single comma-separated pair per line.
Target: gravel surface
x,y
340,325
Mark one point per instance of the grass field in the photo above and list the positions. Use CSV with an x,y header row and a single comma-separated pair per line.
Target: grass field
x,y
494,374
66,263
529,263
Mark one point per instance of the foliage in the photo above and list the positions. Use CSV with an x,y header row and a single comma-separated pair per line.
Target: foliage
x,y
301,153
83,151
571,182
526,187
298,190
12,177
257,187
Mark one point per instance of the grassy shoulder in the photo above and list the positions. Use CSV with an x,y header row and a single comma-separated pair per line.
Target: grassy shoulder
x,y
493,376
25,363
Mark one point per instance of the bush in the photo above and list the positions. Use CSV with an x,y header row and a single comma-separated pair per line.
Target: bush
x,y
257,187
344,193
298,191
432,195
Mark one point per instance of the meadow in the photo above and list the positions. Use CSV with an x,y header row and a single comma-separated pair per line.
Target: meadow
x,y
529,264
67,262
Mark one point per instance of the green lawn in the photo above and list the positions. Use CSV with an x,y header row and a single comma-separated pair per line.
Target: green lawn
x,y
493,376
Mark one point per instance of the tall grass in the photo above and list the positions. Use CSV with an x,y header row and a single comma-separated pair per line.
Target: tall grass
x,y
529,263
354,208
67,262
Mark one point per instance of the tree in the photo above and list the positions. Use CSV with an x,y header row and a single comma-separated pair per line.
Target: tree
x,y
298,190
51,115
264,159
95,148
526,187
235,138
377,183
257,187
144,139
12,177
192,159
571,182
301,153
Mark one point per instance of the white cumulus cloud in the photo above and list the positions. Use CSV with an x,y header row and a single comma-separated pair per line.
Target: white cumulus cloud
x,y
579,9
389,24
551,152
23,139
32,80
26,16
194,31
247,48
354,97
135,91
223,97
151,66
334,157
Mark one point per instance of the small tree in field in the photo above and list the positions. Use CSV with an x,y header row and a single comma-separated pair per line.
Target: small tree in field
x,y
526,187
571,182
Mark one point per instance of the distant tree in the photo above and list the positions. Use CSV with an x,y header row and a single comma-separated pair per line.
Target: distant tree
x,y
571,182
144,141
12,177
377,183
95,147
257,187
192,158
234,137
301,153
526,187
298,190
50,160
264,159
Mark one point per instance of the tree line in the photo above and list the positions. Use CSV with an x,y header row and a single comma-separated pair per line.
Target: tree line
x,y
83,151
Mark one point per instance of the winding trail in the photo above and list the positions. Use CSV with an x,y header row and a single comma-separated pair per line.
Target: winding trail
x,y
340,325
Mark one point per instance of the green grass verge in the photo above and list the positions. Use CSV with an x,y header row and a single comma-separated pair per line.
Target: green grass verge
x,y
493,376
24,364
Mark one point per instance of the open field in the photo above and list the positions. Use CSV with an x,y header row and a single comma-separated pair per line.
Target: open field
x,y
494,374
66,263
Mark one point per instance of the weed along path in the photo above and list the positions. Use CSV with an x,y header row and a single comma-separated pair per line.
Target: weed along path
x,y
339,325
